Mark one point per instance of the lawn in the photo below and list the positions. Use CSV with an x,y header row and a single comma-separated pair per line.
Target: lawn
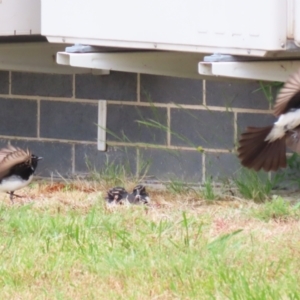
x,y
62,242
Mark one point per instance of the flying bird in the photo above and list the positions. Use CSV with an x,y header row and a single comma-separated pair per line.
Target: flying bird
x,y
265,147
17,167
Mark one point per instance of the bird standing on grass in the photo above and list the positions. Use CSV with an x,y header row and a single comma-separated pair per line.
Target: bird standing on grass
x,y
16,169
265,147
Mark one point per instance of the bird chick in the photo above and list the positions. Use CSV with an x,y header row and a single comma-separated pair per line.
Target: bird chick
x,y
116,195
139,195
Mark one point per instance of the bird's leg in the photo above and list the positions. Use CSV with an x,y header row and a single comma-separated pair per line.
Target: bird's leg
x,y
294,134
12,195
18,196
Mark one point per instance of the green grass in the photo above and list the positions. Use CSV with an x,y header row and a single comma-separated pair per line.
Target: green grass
x,y
289,177
111,173
176,252
208,190
269,89
176,187
205,192
277,209
254,185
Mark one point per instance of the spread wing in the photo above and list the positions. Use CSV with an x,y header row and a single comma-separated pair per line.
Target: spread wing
x,y
293,140
5,151
10,157
289,95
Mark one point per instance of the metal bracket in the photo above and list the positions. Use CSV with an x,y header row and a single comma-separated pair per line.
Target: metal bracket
x,y
255,70
178,64
34,57
102,116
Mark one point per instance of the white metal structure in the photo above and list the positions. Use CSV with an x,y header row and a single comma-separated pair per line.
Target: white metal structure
x,y
245,27
164,37
262,70
20,17
34,57
160,63
176,33
252,28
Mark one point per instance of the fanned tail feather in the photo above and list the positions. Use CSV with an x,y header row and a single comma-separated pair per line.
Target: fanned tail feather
x,y
256,153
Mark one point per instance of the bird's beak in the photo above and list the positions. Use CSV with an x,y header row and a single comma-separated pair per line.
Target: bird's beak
x,y
39,158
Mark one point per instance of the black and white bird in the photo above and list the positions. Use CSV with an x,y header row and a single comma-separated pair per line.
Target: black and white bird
x,y
17,167
118,195
265,147
139,195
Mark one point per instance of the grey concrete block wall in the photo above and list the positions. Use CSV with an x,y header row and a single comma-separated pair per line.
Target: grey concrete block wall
x,y
4,82
117,86
164,89
127,123
173,127
245,94
18,117
68,120
205,128
88,158
170,164
41,84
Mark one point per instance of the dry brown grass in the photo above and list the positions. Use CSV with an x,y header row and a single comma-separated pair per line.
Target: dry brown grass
x,y
227,213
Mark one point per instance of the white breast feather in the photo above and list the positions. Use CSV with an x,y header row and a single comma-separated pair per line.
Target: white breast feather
x,y
13,183
286,122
